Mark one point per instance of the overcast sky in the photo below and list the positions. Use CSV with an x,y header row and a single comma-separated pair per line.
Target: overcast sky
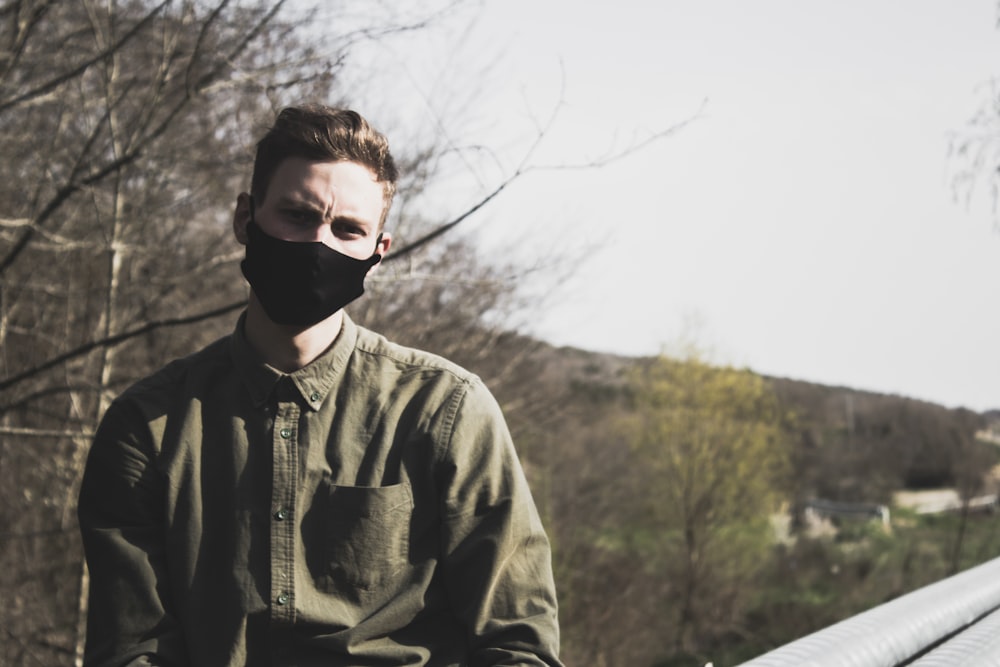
x,y
804,219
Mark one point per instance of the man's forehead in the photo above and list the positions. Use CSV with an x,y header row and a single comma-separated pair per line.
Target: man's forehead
x,y
296,164
308,178
341,188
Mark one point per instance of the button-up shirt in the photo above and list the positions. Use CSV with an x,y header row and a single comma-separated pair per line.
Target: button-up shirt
x,y
367,509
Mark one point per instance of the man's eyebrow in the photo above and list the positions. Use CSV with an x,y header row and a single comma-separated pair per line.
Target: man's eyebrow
x,y
298,202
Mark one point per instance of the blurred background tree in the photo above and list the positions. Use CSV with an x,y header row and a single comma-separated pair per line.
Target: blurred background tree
x,y
714,459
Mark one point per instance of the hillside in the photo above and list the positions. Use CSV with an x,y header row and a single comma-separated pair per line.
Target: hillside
x,y
849,444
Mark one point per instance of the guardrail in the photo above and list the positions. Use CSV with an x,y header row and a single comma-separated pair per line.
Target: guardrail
x,y
954,622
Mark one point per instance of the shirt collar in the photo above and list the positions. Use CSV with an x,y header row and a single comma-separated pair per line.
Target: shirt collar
x,y
313,382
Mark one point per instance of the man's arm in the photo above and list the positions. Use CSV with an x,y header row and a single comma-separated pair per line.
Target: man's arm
x,y
497,560
121,521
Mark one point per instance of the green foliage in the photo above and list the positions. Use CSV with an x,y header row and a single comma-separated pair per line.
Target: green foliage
x,y
632,461
711,462
815,583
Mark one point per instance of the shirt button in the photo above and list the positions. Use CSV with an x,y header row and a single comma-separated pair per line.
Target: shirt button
x,y
285,433
281,514
283,599
314,396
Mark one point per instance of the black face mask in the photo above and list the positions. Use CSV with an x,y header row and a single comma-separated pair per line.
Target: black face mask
x,y
302,283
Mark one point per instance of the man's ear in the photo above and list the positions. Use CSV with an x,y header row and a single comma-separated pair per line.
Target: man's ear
x,y
382,247
385,240
241,217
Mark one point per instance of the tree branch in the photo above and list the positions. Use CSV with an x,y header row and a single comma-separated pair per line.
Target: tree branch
x,y
525,168
56,81
117,339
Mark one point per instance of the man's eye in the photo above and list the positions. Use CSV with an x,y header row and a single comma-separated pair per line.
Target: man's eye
x,y
348,230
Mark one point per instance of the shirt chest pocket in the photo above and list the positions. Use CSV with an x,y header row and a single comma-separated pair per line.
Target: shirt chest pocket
x,y
366,534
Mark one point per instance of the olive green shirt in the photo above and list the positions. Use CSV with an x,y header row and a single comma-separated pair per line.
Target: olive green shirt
x,y
368,509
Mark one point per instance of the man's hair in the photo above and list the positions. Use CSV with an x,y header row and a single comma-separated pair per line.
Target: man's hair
x,y
324,134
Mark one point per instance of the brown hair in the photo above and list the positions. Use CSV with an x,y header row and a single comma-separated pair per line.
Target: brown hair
x,y
324,134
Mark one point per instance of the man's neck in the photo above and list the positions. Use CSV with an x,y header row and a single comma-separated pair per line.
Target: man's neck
x,y
289,348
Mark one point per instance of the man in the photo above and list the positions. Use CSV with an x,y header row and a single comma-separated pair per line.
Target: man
x,y
304,492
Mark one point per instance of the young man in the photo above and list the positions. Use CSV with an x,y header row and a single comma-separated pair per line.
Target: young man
x,y
304,492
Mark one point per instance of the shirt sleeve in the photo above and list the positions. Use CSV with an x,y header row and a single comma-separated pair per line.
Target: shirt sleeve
x,y
497,561
129,621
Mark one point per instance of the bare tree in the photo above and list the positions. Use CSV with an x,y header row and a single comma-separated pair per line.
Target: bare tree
x,y
713,457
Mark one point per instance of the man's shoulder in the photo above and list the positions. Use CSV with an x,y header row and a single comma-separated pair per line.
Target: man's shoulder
x,y
408,361
181,373
384,372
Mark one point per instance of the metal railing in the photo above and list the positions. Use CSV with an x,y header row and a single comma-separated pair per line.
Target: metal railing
x,y
954,622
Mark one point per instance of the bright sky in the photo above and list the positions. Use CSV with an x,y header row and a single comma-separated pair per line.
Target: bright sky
x,y
805,219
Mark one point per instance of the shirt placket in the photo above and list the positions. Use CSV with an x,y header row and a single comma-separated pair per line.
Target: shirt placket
x,y
284,482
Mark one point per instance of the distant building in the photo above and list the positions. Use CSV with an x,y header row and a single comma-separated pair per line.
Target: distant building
x,y
990,434
937,501
823,517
